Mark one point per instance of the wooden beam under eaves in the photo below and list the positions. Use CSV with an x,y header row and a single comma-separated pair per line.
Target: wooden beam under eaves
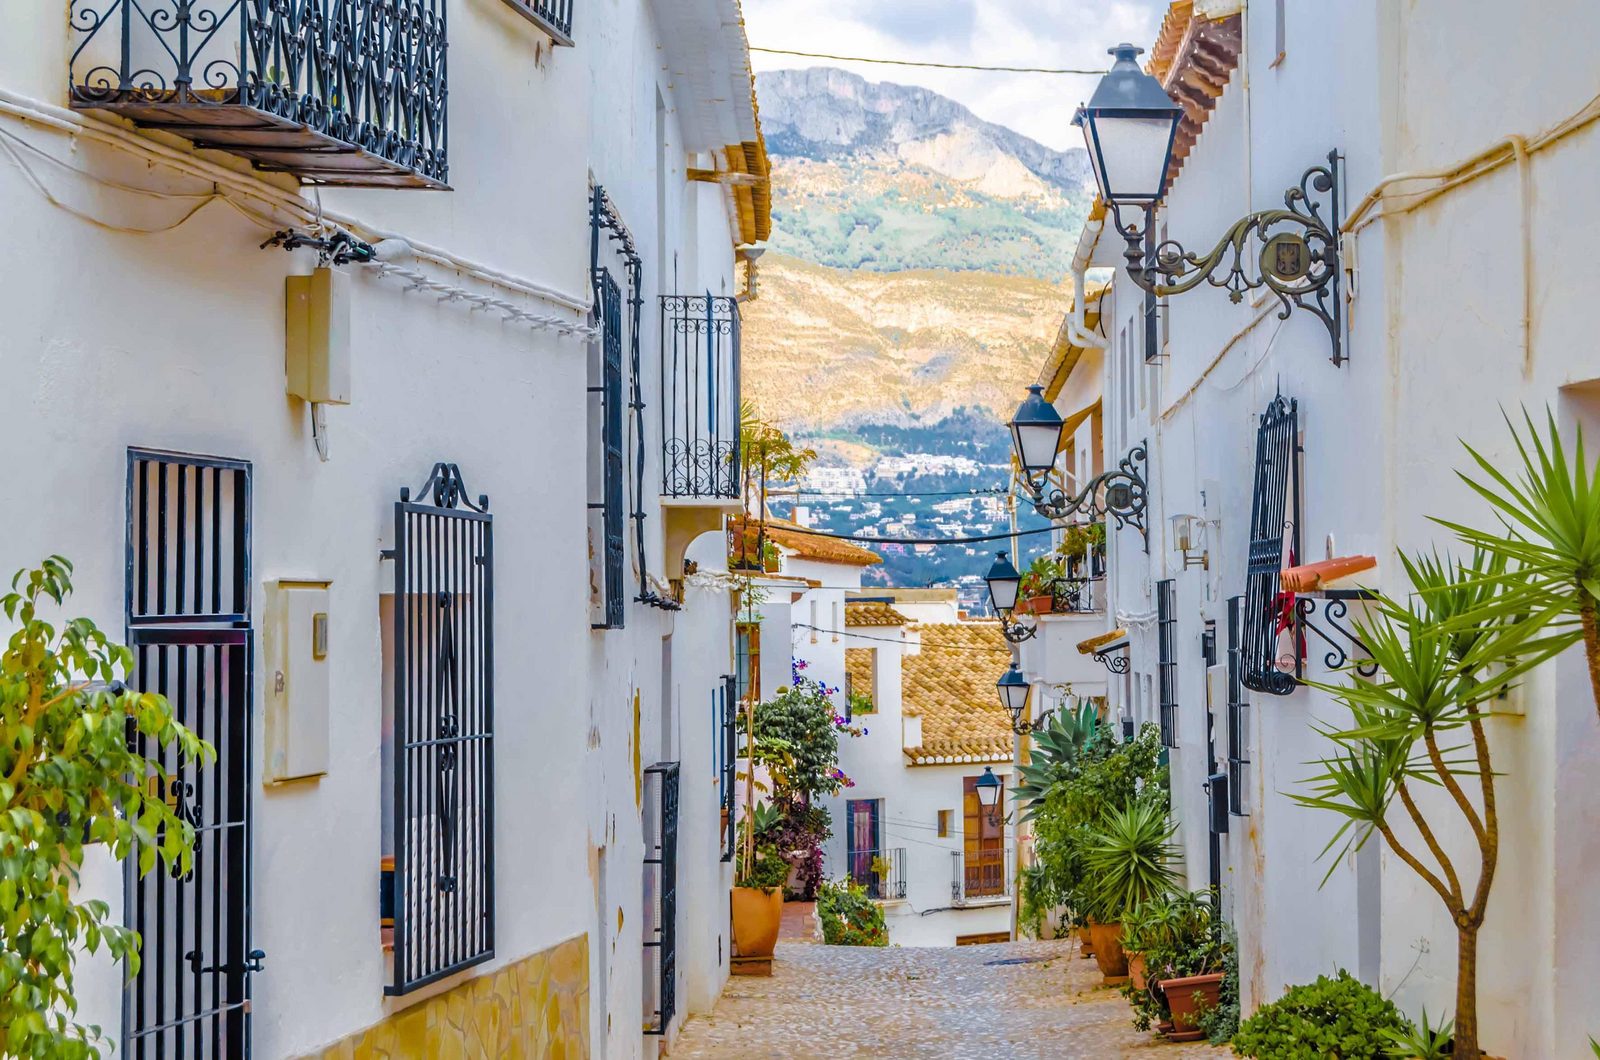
x,y
715,176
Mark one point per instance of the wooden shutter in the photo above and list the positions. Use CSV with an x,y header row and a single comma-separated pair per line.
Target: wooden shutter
x,y
983,844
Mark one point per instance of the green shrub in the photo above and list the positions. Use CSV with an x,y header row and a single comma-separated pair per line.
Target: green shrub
x,y
1338,1017
770,868
848,916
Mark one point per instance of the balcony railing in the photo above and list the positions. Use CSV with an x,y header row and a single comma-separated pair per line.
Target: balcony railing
x,y
984,875
881,872
336,91
1065,596
700,396
552,16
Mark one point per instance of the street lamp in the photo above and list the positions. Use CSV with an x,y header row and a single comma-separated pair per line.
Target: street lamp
x,y
1036,439
1130,126
988,787
1014,692
1004,581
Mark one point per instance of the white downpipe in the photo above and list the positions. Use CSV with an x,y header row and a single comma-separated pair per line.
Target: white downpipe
x,y
1077,327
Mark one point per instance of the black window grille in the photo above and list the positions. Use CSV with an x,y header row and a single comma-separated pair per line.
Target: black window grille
x,y
608,301
351,92
661,876
187,595
443,772
552,16
729,694
1274,528
700,341
1238,714
1167,659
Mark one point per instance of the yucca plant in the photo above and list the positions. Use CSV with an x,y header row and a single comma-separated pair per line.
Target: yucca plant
x,y
1445,655
1422,1041
1550,508
1129,860
1054,753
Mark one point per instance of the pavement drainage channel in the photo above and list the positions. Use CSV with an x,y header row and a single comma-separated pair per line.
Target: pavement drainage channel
x,y
1016,960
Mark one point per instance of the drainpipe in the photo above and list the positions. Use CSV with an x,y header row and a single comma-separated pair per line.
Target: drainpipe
x,y
1077,329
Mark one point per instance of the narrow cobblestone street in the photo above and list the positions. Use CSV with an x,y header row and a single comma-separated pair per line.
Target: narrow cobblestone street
x,y
839,1001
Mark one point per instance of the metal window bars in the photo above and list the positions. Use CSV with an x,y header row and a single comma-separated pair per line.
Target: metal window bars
x,y
1167,659
608,304
882,872
984,873
1238,713
700,352
661,855
187,591
728,693
443,772
1274,530
336,91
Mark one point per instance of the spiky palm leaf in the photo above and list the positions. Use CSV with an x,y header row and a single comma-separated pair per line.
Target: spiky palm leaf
x,y
1055,752
1129,858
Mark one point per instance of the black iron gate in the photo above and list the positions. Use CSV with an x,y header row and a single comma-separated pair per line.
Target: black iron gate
x,y
661,853
1274,528
443,731
1238,716
187,587
730,754
1167,659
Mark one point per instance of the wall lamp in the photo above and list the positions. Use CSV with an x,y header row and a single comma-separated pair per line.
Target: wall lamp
x,y
1015,692
1036,432
1004,581
1130,125
989,788
1189,538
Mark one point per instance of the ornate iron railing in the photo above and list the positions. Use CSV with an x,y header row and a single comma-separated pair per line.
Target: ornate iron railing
x,y
700,396
552,16
985,873
1076,596
339,91
1274,531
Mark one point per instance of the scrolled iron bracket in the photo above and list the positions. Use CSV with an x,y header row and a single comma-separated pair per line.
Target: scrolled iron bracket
x,y
1121,493
1017,632
1342,643
1298,259
1113,662
1034,727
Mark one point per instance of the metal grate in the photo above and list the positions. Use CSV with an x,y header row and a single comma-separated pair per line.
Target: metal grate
x,y
661,854
700,341
187,592
1238,713
339,91
729,695
1167,659
1274,527
608,297
552,16
444,731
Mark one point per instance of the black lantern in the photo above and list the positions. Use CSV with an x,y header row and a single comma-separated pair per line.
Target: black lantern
x,y
1129,126
1014,689
1036,437
989,789
1004,579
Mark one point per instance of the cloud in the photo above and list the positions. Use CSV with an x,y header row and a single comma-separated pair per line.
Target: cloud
x,y
1052,33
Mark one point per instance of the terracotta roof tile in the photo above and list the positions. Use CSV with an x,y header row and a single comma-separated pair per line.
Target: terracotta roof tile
x,y
949,684
872,613
818,547
1194,58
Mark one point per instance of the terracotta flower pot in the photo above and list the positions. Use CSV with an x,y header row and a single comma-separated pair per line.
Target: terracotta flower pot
x,y
1187,997
1136,971
1107,942
1085,947
1035,605
757,914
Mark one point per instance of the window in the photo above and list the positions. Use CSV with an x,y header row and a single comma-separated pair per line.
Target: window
x,y
661,894
1166,645
983,844
944,822
1274,534
860,682
442,760
552,16
864,841
747,652
1238,716
725,701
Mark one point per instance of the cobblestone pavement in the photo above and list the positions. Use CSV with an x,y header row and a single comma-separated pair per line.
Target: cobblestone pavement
x,y
846,1001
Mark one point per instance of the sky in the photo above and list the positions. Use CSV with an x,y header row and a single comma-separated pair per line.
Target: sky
x,y
1051,33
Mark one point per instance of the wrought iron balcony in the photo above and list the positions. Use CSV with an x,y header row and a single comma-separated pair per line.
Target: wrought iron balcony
x,y
552,16
700,397
881,872
980,876
335,91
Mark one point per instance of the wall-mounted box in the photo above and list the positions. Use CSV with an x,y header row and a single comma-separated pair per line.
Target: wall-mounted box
x,y
317,337
295,639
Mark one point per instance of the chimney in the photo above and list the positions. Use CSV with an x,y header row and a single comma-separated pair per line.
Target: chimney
x,y
802,516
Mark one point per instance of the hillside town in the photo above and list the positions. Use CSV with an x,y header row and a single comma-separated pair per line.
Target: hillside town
x,y
1017,537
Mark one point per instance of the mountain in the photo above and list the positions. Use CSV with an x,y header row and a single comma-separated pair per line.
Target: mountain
x,y
886,177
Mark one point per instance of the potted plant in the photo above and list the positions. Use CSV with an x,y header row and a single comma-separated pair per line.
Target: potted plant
x,y
1128,859
758,896
1036,593
1171,937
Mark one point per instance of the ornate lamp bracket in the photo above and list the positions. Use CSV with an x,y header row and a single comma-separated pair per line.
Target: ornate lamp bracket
x,y
1031,728
1017,632
1115,660
1120,493
1298,258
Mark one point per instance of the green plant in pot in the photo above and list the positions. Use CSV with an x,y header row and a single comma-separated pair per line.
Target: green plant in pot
x,y
1185,957
1036,590
1128,863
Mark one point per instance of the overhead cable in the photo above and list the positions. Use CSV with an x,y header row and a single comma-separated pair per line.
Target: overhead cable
x,y
937,66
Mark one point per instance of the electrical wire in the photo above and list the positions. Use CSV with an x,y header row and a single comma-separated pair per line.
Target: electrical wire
x,y
976,492
942,645
874,540
933,65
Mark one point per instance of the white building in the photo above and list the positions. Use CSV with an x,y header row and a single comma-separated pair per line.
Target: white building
x,y
1461,291
397,518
